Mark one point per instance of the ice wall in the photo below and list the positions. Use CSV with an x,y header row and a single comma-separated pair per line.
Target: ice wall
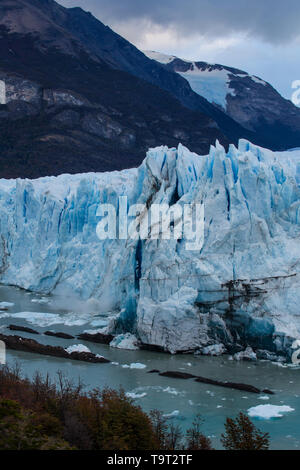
x,y
241,288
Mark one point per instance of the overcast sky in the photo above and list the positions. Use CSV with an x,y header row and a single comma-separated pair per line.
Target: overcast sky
x,y
259,36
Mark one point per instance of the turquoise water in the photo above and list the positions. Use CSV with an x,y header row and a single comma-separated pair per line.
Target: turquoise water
x,y
187,397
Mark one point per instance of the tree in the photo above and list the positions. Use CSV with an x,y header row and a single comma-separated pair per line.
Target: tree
x,y
23,430
196,440
242,434
114,422
160,427
174,437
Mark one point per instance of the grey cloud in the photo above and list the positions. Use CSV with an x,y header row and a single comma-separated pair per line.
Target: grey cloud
x,y
273,21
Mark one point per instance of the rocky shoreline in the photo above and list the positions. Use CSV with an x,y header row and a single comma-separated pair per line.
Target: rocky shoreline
x,y
236,353
19,343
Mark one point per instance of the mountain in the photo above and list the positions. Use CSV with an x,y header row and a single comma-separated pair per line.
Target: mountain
x,y
77,97
247,99
65,109
240,289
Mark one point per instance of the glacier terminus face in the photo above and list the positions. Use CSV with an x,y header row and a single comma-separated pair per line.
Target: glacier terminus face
x,y
239,289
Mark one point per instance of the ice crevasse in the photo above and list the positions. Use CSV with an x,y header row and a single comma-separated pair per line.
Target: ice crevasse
x,y
240,289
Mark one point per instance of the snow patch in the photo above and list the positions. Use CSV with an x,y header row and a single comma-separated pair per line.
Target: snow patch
x,y
258,80
159,57
213,85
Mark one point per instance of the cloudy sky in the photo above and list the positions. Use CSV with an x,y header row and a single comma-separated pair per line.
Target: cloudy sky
x,y
259,36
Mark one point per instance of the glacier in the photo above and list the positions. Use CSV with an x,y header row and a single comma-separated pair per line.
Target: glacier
x,y
240,290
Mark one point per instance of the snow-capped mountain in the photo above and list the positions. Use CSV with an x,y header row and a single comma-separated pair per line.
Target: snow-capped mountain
x,y
76,96
212,81
240,289
71,103
247,99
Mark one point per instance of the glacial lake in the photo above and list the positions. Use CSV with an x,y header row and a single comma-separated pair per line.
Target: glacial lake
x,y
185,397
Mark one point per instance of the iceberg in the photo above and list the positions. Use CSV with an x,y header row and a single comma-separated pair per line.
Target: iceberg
x,y
125,341
6,305
134,365
240,289
269,411
214,350
247,355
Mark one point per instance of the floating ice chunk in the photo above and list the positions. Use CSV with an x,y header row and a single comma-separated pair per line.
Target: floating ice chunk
x,y
134,365
247,355
43,300
74,319
174,414
137,365
269,411
135,395
78,348
214,350
41,319
100,322
6,305
171,390
264,397
44,319
125,341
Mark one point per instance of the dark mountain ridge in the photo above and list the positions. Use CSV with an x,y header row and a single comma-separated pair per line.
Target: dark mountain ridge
x,y
68,111
78,97
250,101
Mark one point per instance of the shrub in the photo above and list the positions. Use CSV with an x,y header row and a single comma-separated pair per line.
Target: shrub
x,y
39,415
115,423
19,429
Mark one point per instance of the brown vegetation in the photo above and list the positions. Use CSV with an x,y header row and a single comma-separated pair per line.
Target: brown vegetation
x,y
40,414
